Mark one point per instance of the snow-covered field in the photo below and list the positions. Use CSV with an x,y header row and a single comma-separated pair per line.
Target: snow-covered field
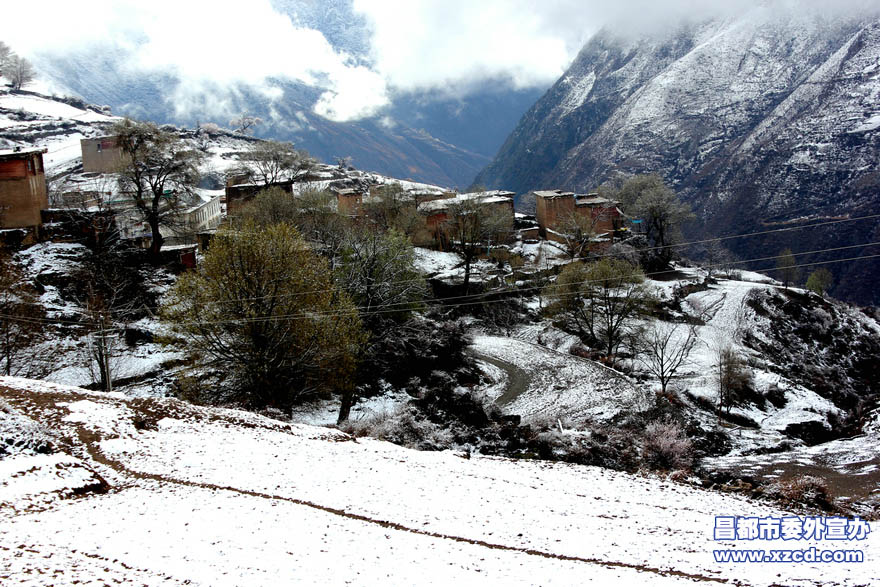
x,y
218,497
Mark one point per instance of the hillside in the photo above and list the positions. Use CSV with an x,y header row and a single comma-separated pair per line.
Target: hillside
x,y
766,118
158,492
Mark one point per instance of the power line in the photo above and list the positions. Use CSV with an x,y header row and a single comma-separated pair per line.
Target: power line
x,y
604,255
354,311
402,305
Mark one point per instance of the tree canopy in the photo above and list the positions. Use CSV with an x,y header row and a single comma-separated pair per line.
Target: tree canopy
x,y
600,299
158,173
263,309
647,198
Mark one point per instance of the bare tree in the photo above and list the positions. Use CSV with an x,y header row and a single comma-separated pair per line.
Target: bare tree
x,y
111,298
158,174
472,224
245,123
19,71
269,162
664,348
19,317
576,230
5,54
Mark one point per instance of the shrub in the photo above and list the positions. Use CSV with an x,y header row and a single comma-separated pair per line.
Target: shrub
x,y
808,490
405,427
666,447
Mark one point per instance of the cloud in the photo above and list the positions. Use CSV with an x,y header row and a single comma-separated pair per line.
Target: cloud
x,y
447,44
210,46
218,48
453,44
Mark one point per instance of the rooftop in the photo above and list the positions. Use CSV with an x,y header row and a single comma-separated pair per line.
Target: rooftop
x,y
19,153
491,197
553,194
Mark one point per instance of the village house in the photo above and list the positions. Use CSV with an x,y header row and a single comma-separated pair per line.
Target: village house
x,y
437,212
101,194
556,208
102,155
23,192
349,201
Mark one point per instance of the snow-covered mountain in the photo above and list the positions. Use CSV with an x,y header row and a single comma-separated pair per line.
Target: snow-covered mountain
x,y
757,119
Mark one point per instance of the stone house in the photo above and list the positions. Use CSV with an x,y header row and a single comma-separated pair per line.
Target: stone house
x,y
102,155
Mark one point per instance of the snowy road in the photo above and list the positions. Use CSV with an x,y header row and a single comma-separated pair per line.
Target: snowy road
x,y
557,385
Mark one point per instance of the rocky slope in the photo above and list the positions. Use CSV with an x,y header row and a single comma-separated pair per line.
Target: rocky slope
x,y
756,120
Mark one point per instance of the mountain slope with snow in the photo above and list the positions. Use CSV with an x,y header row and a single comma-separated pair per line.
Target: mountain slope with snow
x,y
755,120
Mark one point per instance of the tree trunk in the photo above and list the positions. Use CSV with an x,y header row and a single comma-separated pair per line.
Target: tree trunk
x,y
156,240
345,406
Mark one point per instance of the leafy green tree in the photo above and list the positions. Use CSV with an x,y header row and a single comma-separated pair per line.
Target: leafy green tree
x,y
262,308
601,299
787,266
819,281
158,173
392,207
312,212
648,198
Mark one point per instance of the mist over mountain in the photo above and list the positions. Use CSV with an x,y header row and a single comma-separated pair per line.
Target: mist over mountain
x,y
756,120
440,136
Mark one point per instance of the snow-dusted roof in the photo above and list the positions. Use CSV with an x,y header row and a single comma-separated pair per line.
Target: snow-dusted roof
x,y
19,153
553,194
594,200
490,197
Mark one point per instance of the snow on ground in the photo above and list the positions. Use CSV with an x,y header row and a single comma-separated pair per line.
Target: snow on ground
x,y
561,385
450,266
48,107
326,412
217,497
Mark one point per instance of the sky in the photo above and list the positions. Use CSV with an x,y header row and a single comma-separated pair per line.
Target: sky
x,y
442,46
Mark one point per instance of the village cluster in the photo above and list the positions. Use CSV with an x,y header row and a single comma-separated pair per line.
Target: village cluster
x,y
93,200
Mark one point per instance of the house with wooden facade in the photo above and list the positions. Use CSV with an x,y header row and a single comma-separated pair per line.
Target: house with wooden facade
x,y
556,208
23,192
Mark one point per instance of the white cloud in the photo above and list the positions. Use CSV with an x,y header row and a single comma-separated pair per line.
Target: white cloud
x,y
209,45
214,47
451,43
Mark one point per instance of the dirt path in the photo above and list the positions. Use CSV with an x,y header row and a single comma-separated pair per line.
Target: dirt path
x,y
79,436
517,379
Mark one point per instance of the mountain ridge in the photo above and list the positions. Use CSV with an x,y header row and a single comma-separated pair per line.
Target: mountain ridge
x,y
751,119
